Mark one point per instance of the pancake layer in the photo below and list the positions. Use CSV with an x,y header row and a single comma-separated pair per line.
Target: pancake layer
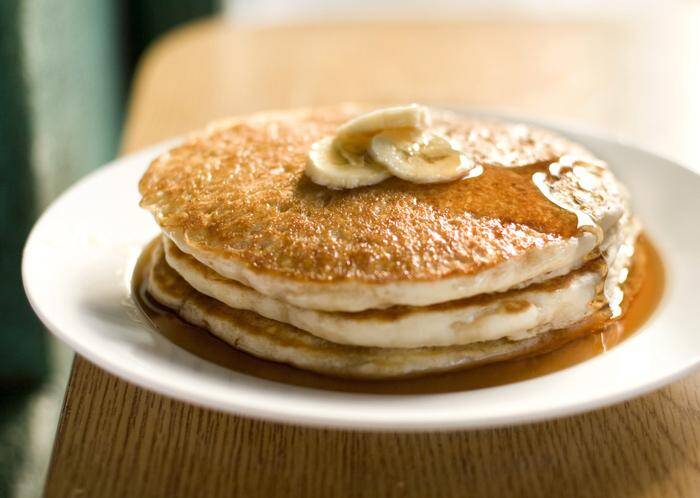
x,y
236,199
275,341
515,315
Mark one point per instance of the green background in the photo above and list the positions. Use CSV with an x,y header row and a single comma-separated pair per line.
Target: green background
x,y
65,70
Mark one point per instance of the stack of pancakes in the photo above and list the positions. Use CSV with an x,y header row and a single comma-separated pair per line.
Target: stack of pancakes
x,y
397,278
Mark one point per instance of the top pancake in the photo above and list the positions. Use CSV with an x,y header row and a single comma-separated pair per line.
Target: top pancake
x,y
236,197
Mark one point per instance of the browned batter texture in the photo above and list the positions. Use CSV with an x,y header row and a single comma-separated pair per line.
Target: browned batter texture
x,y
239,192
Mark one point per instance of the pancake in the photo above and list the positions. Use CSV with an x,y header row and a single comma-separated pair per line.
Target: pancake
x,y
237,200
515,315
275,341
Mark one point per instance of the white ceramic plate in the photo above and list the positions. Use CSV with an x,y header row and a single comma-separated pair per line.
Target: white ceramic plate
x,y
78,265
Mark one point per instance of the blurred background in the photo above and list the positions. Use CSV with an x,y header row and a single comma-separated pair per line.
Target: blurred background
x,y
67,69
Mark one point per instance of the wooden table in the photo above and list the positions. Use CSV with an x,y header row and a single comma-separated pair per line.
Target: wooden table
x,y
637,80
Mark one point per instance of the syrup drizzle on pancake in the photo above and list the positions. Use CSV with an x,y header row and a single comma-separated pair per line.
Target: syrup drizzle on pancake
x,y
618,255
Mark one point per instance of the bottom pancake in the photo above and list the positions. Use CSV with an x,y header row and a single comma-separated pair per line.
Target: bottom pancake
x,y
275,341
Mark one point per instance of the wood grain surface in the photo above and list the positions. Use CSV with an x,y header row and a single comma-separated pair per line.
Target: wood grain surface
x,y
634,78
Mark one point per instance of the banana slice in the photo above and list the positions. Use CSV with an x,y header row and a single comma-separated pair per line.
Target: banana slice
x,y
327,166
355,135
421,156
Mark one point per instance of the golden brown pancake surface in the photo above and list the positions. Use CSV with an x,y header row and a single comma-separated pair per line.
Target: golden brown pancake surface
x,y
239,192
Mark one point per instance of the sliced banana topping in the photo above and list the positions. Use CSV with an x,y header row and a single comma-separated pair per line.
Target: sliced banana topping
x,y
392,141
355,135
420,156
327,166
